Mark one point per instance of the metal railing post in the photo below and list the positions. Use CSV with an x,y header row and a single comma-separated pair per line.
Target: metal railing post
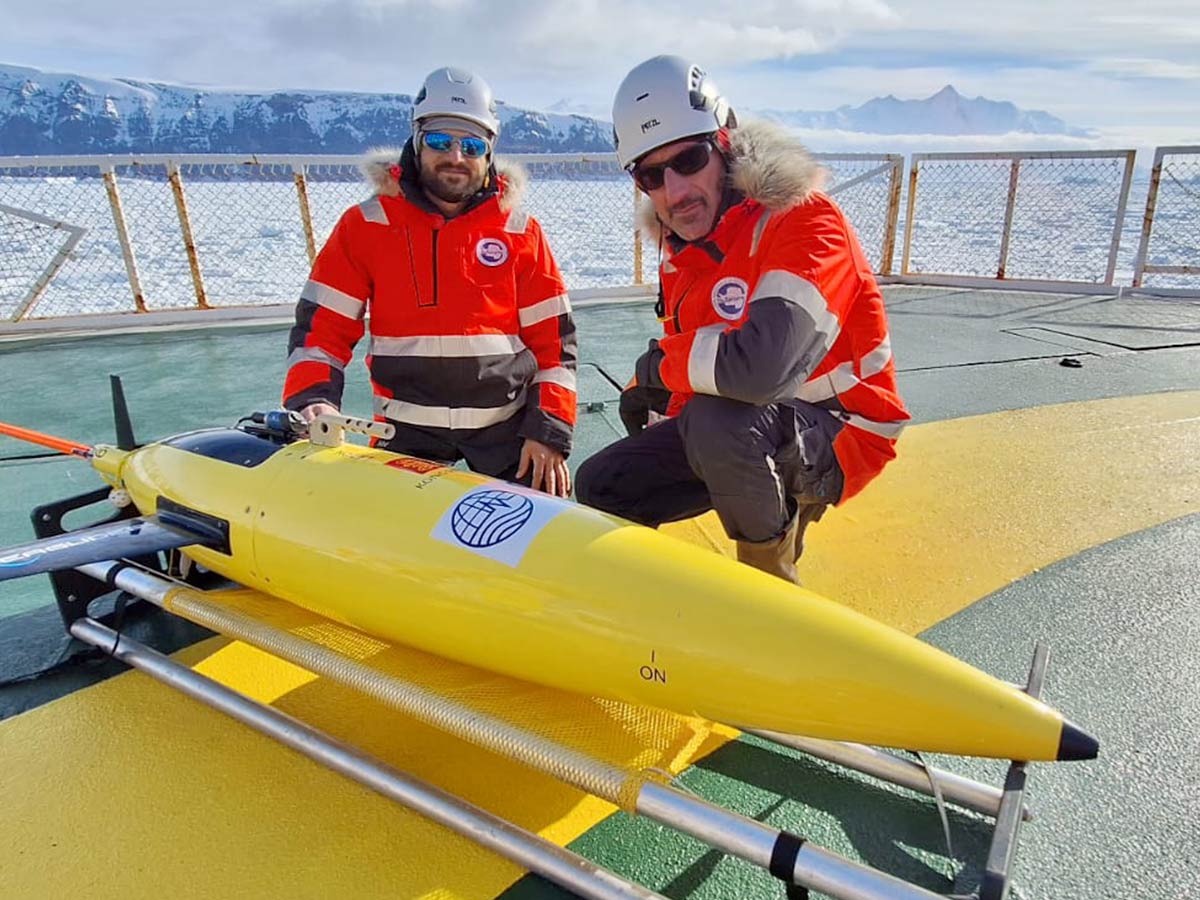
x,y
1010,208
893,216
300,176
185,226
1139,265
909,214
118,214
1119,226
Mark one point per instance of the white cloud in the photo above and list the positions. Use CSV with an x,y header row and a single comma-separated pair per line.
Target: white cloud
x,y
1093,63
1147,68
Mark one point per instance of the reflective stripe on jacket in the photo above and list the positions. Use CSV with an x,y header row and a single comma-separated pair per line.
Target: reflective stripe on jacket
x,y
779,304
470,321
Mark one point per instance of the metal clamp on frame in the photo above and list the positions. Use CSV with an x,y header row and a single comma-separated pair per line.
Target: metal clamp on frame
x,y
997,871
326,430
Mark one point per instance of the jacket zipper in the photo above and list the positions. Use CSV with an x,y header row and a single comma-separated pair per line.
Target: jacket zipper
x,y
435,266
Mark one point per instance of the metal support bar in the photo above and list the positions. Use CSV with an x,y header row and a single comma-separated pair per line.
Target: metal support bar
x,y
310,244
118,214
75,234
858,179
1173,270
786,856
910,213
1010,208
998,868
1122,203
1143,252
893,217
973,795
554,863
185,227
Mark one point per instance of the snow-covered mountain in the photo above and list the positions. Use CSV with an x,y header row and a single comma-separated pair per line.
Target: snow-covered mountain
x,y
56,113
945,113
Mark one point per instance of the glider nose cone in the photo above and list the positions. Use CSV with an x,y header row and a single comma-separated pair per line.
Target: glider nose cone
x,y
1076,744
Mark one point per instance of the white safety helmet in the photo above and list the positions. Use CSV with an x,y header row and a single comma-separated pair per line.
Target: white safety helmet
x,y
663,100
458,93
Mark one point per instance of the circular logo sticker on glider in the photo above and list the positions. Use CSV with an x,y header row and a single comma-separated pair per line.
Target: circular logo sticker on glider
x,y
729,298
487,518
491,252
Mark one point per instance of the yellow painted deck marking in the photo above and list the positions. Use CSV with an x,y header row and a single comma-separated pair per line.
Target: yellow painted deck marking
x,y
971,505
129,789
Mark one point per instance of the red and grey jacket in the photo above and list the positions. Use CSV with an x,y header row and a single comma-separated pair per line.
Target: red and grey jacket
x,y
470,321
778,303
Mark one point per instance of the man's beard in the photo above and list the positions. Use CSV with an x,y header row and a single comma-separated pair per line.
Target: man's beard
x,y
458,191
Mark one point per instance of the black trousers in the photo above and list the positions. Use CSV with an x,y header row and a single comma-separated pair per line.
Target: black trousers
x,y
755,465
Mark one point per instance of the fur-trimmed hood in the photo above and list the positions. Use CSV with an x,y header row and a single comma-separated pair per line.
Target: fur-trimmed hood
x,y
381,167
766,164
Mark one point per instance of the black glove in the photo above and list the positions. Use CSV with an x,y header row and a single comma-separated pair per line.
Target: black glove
x,y
636,403
634,409
646,368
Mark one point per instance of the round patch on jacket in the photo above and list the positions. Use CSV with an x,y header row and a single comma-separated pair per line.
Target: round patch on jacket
x,y
491,252
729,298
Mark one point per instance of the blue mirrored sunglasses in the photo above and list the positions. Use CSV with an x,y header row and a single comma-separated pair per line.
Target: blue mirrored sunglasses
x,y
440,142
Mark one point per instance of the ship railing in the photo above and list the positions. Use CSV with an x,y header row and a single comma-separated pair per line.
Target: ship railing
x,y
1049,219
1171,224
84,235
106,234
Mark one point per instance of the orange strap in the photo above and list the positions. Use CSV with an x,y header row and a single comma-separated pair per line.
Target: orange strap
x,y
62,445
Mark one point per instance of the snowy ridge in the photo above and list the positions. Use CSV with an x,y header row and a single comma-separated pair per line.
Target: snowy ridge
x,y
62,113
57,113
945,113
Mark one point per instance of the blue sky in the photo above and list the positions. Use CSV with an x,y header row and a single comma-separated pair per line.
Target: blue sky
x,y
1096,64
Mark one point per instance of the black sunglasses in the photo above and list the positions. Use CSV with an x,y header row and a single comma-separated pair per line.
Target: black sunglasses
x,y
688,161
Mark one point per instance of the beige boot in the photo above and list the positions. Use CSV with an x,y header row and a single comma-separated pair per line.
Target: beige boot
x,y
779,555
776,556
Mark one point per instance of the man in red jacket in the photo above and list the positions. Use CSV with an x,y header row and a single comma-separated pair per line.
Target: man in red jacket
x,y
775,371
472,341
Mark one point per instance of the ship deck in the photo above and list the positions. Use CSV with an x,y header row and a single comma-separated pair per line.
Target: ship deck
x,y
1048,490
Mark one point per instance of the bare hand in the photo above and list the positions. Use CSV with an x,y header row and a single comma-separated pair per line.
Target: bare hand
x,y
549,468
313,410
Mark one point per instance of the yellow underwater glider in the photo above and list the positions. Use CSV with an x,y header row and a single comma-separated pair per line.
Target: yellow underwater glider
x,y
511,580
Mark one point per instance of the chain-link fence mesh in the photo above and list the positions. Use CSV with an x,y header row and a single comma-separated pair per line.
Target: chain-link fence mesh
x,y
32,254
1036,216
152,220
587,212
93,278
1066,217
956,217
248,232
867,190
246,220
1172,241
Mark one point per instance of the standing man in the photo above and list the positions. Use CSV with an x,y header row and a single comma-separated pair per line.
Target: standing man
x,y
472,341
775,369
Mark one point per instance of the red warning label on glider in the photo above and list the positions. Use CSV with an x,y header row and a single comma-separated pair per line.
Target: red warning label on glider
x,y
420,466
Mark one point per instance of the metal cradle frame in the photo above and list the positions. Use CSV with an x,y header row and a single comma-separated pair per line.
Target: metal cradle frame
x,y
799,864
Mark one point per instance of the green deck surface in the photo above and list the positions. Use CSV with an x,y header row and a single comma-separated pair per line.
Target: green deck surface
x,y
1122,620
